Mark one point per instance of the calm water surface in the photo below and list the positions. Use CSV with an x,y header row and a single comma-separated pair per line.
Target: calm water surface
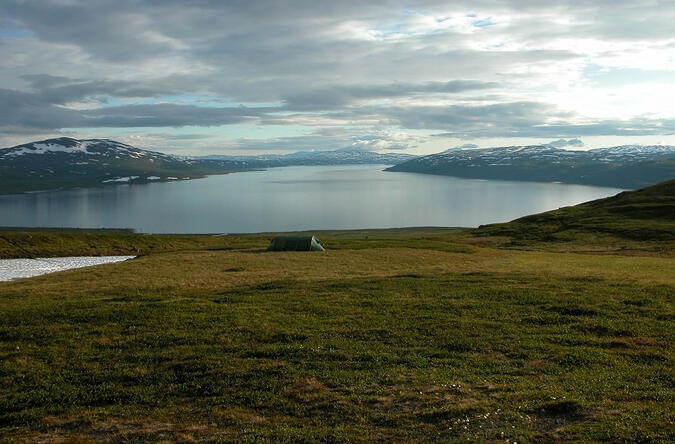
x,y
294,198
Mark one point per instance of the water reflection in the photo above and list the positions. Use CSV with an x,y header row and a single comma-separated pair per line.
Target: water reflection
x,y
294,198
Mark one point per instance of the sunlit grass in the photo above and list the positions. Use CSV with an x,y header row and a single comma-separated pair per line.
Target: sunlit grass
x,y
364,344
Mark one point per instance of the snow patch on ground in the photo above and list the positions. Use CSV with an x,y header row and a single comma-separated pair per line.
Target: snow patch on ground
x,y
11,269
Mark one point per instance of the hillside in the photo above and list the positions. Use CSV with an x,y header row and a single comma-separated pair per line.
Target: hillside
x,y
629,166
66,162
645,218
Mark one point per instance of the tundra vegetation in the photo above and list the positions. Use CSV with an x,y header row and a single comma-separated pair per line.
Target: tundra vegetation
x,y
556,327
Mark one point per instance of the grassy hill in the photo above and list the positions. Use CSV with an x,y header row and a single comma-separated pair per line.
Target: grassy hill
x,y
410,335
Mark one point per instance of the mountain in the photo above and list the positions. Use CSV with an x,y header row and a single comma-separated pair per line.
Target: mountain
x,y
628,166
337,157
643,216
66,162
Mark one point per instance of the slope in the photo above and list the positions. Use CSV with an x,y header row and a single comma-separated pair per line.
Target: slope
x,y
644,218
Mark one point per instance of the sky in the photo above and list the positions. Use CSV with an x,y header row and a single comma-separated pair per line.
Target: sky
x,y
265,76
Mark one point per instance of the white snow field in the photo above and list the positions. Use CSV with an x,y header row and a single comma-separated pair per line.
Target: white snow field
x,y
11,269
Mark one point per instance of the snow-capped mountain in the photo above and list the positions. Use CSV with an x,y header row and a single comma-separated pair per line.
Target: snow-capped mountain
x,y
628,166
627,153
95,147
66,162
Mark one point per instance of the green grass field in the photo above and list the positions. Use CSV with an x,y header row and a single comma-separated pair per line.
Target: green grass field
x,y
394,335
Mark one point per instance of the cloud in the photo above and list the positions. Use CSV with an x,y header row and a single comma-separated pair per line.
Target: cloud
x,y
383,142
25,110
338,95
105,29
566,142
184,136
516,119
34,111
466,69
466,121
62,90
294,143
324,139
525,119
374,145
165,115
632,127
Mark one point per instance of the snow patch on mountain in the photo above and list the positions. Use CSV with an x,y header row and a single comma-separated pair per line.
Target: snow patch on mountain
x,y
503,155
91,147
627,166
121,179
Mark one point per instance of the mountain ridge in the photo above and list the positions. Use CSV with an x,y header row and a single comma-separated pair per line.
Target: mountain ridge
x,y
625,166
67,162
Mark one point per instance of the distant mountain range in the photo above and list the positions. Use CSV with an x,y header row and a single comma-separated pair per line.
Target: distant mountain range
x,y
628,166
337,157
67,163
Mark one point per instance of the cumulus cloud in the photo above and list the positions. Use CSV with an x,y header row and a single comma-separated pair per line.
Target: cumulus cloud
x,y
383,142
560,143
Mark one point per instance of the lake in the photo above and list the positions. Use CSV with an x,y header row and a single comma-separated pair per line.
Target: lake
x,y
294,198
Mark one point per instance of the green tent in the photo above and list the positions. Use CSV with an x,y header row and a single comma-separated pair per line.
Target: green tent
x,y
295,243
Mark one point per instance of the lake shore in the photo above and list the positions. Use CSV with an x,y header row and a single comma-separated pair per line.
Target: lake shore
x,y
294,198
